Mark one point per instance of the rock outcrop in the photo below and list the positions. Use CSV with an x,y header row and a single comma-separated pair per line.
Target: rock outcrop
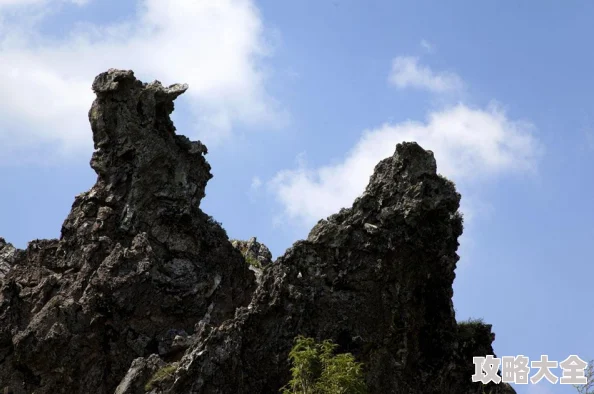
x,y
144,292
8,254
375,278
256,254
253,251
136,261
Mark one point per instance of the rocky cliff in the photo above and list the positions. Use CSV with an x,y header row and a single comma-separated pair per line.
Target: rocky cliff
x,y
145,292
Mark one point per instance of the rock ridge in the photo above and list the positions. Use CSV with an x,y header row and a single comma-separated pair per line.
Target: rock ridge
x,y
141,281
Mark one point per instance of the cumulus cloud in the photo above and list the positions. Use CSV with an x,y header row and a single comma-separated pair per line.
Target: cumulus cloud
x,y
408,73
217,47
469,144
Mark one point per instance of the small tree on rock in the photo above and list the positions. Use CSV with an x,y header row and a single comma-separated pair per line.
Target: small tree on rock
x,y
316,369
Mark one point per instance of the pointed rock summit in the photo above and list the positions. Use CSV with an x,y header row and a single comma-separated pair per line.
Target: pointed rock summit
x,y
375,278
137,263
144,292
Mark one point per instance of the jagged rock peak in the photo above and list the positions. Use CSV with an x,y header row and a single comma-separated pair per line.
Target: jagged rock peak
x,y
7,257
140,160
375,278
254,251
138,268
142,282
256,254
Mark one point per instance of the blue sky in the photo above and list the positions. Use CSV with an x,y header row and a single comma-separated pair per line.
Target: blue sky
x,y
297,100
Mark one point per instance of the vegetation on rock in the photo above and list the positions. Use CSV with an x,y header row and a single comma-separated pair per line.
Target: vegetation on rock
x,y
316,369
253,262
161,375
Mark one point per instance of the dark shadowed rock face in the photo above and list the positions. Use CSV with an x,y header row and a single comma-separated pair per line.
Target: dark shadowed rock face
x,y
375,278
142,284
137,263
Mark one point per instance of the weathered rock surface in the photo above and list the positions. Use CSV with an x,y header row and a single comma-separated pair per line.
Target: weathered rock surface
x,y
140,373
8,254
474,339
142,282
256,254
137,258
254,250
375,278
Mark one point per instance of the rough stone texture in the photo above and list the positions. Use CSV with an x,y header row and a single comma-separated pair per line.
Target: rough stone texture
x,y
140,372
254,250
257,255
474,339
375,278
142,279
137,258
8,255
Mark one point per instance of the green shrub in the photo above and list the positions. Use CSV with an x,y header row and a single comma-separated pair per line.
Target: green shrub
x,y
317,370
253,262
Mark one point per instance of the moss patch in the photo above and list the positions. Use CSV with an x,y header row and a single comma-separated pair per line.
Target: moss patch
x,y
253,262
160,376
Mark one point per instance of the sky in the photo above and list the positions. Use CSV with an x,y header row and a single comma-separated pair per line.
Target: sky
x,y
298,100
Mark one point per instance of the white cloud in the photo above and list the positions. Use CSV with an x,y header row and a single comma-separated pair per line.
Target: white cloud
x,y
427,46
469,144
256,183
408,73
214,46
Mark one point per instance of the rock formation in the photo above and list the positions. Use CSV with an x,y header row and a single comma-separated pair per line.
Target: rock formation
x,y
375,278
7,257
255,253
253,250
143,291
137,263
